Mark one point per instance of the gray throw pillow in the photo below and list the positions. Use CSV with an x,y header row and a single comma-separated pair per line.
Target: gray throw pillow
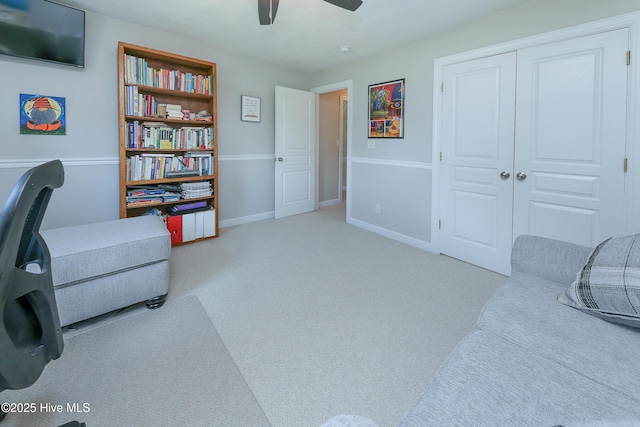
x,y
608,286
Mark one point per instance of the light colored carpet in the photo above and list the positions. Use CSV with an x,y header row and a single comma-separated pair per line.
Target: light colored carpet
x,y
323,318
320,318
165,367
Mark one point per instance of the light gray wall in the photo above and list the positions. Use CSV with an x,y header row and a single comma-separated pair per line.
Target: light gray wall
x,y
404,166
89,151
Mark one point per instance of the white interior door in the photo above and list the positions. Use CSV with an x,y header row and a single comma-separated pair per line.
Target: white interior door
x,y
477,161
570,138
295,152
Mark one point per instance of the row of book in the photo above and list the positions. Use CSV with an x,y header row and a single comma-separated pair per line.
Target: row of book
x,y
139,104
142,196
148,166
160,135
138,72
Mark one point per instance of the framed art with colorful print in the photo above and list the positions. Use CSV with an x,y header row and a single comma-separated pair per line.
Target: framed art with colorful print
x,y
386,109
42,115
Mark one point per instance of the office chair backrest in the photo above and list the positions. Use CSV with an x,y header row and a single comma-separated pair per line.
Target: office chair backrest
x,y
30,334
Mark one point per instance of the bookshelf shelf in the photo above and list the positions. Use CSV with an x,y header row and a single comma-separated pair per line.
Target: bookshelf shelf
x,y
142,182
195,123
181,201
169,92
159,95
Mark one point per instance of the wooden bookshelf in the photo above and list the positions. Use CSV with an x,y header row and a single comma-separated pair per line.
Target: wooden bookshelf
x,y
150,82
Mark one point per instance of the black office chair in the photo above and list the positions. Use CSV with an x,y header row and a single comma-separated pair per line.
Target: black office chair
x,y
30,334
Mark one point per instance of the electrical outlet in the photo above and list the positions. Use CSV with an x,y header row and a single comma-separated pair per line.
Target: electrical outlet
x,y
377,208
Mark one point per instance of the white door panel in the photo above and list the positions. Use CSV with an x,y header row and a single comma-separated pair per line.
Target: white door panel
x,y
560,222
554,118
477,146
570,139
295,152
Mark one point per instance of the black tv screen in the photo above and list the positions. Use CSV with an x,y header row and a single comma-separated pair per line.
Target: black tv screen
x,y
40,29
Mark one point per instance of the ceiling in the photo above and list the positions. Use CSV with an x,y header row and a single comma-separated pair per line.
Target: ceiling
x,y
306,34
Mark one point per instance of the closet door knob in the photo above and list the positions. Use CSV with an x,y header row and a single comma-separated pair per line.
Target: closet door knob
x,y
505,175
521,176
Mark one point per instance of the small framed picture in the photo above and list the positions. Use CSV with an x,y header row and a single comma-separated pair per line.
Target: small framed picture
x,y
250,109
42,115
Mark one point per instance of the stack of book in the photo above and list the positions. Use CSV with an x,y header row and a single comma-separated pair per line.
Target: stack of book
x,y
203,116
174,111
193,190
142,196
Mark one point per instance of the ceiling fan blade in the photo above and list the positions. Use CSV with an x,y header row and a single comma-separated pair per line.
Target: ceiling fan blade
x,y
266,7
351,5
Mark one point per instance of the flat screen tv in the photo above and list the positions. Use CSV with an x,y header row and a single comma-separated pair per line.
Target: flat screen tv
x,y
40,29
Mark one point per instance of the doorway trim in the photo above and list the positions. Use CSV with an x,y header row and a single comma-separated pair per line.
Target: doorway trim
x,y
348,85
630,21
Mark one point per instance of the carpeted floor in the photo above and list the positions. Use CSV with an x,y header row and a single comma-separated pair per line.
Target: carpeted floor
x,y
324,318
319,318
165,367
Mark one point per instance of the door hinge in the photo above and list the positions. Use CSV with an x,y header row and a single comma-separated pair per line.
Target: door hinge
x,y
441,156
442,87
626,164
628,57
439,225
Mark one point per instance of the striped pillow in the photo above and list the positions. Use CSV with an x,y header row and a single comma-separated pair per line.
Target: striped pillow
x,y
608,286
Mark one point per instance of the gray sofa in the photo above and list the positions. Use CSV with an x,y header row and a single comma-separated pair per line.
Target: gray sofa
x,y
533,361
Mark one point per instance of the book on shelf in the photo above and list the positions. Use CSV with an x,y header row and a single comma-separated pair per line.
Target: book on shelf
x,y
188,206
193,190
137,71
148,166
151,194
203,116
160,135
174,111
190,226
182,173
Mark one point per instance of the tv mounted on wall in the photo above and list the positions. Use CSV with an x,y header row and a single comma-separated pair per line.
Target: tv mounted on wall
x,y
40,29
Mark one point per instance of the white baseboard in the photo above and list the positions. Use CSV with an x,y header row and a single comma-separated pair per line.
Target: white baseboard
x,y
246,219
411,241
328,203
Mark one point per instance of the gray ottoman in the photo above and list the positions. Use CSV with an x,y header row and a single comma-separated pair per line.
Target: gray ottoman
x,y
101,267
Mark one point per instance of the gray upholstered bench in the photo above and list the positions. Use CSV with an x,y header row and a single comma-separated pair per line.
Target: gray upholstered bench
x,y
101,267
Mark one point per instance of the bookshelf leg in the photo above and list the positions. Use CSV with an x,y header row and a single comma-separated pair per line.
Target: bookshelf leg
x,y
156,302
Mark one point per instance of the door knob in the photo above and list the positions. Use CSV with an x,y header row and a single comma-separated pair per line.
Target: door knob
x,y
505,175
521,176
280,159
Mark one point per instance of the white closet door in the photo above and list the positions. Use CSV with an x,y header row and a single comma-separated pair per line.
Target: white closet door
x,y
477,161
570,139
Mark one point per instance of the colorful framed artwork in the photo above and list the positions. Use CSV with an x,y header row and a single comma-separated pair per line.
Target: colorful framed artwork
x,y
42,115
386,115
